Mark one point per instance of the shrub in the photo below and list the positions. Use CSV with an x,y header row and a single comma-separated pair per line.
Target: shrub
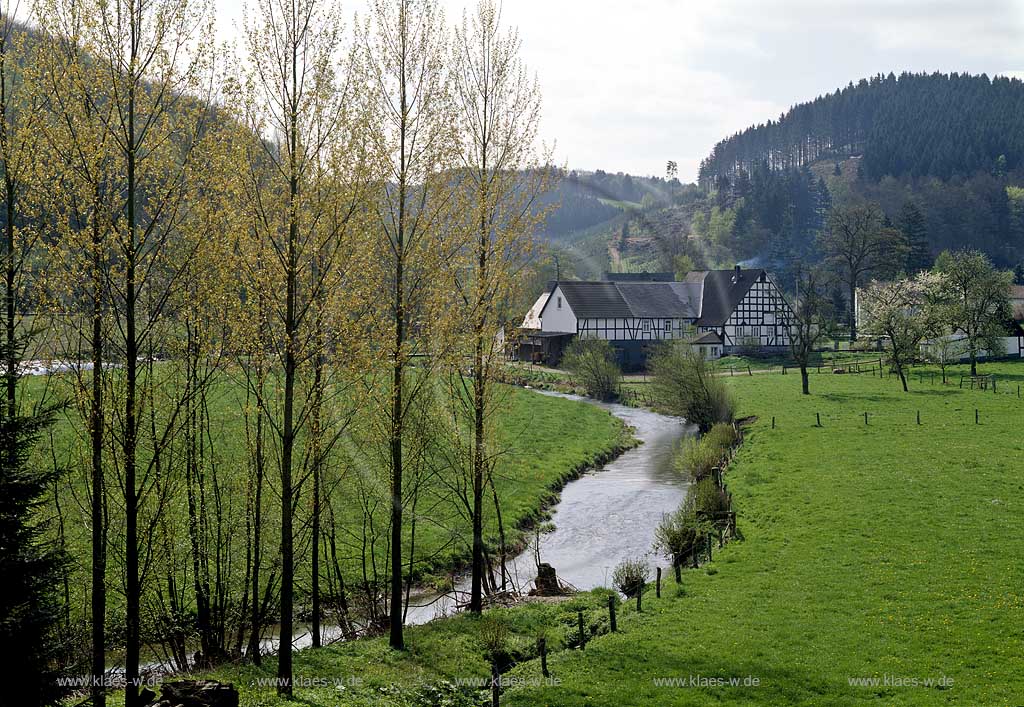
x,y
722,436
630,576
494,637
676,533
684,385
592,363
709,498
697,458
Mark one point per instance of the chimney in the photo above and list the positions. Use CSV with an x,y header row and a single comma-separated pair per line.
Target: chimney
x,y
736,276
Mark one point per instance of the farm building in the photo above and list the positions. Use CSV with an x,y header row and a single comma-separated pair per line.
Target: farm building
x,y
719,311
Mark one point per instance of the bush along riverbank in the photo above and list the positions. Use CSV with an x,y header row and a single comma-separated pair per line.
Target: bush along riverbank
x,y
706,517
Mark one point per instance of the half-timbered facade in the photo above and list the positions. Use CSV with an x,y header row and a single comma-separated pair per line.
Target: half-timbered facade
x,y
745,308
740,308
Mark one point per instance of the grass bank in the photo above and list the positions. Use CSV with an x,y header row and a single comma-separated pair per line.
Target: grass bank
x,y
878,558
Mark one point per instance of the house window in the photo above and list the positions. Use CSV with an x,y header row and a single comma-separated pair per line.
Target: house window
x,y
668,326
647,325
559,302
714,351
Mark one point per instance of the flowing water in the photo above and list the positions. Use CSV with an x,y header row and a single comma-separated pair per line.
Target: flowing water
x,y
607,515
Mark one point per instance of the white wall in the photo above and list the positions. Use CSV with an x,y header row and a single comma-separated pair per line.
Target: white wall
x,y
1012,346
558,319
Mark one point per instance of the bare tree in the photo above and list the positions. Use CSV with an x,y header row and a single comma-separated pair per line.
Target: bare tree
x,y
859,244
813,314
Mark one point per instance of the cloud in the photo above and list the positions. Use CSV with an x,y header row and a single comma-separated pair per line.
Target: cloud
x,y
630,84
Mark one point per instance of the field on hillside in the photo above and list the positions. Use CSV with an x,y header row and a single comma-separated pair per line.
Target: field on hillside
x,y
881,562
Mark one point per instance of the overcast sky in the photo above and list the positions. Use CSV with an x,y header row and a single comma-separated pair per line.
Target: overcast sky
x,y
630,84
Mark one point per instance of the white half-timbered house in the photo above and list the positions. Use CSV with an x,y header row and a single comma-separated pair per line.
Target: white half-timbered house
x,y
718,311
744,307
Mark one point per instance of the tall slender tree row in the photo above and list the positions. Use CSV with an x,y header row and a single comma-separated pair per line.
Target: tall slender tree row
x,y
299,243
302,182
147,74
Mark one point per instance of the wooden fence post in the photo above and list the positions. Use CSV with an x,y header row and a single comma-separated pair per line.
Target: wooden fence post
x,y
977,416
919,417
818,416
611,612
708,540
542,648
657,585
639,596
865,419
583,638
679,572
773,417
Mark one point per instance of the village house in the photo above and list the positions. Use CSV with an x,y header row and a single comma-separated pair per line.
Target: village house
x,y
718,311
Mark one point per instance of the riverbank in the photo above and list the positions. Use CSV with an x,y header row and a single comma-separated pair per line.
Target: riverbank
x,y
880,561
605,516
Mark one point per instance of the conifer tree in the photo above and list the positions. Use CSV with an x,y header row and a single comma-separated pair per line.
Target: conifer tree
x,y
31,568
915,234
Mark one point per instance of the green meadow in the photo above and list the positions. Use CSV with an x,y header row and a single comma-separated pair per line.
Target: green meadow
x,y
540,442
880,564
881,561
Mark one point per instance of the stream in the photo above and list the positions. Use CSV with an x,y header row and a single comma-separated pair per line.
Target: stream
x,y
606,516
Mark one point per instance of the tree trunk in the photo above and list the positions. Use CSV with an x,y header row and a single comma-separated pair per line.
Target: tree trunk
x,y
804,379
133,590
256,619
284,660
99,536
476,593
853,311
315,569
396,638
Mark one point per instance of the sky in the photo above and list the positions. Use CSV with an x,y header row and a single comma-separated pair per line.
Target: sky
x,y
631,84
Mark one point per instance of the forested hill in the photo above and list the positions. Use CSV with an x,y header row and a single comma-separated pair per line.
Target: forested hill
x,y
914,125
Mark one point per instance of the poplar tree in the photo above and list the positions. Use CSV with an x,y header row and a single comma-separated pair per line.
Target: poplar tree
x,y
141,68
404,46
301,181
498,111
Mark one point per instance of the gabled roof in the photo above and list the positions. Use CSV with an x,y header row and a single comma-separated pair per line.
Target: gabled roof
x,y
709,297
594,299
532,318
723,290
1017,302
657,300
708,337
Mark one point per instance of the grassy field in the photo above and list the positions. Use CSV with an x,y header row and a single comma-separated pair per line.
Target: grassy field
x,y
445,663
884,552
543,442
